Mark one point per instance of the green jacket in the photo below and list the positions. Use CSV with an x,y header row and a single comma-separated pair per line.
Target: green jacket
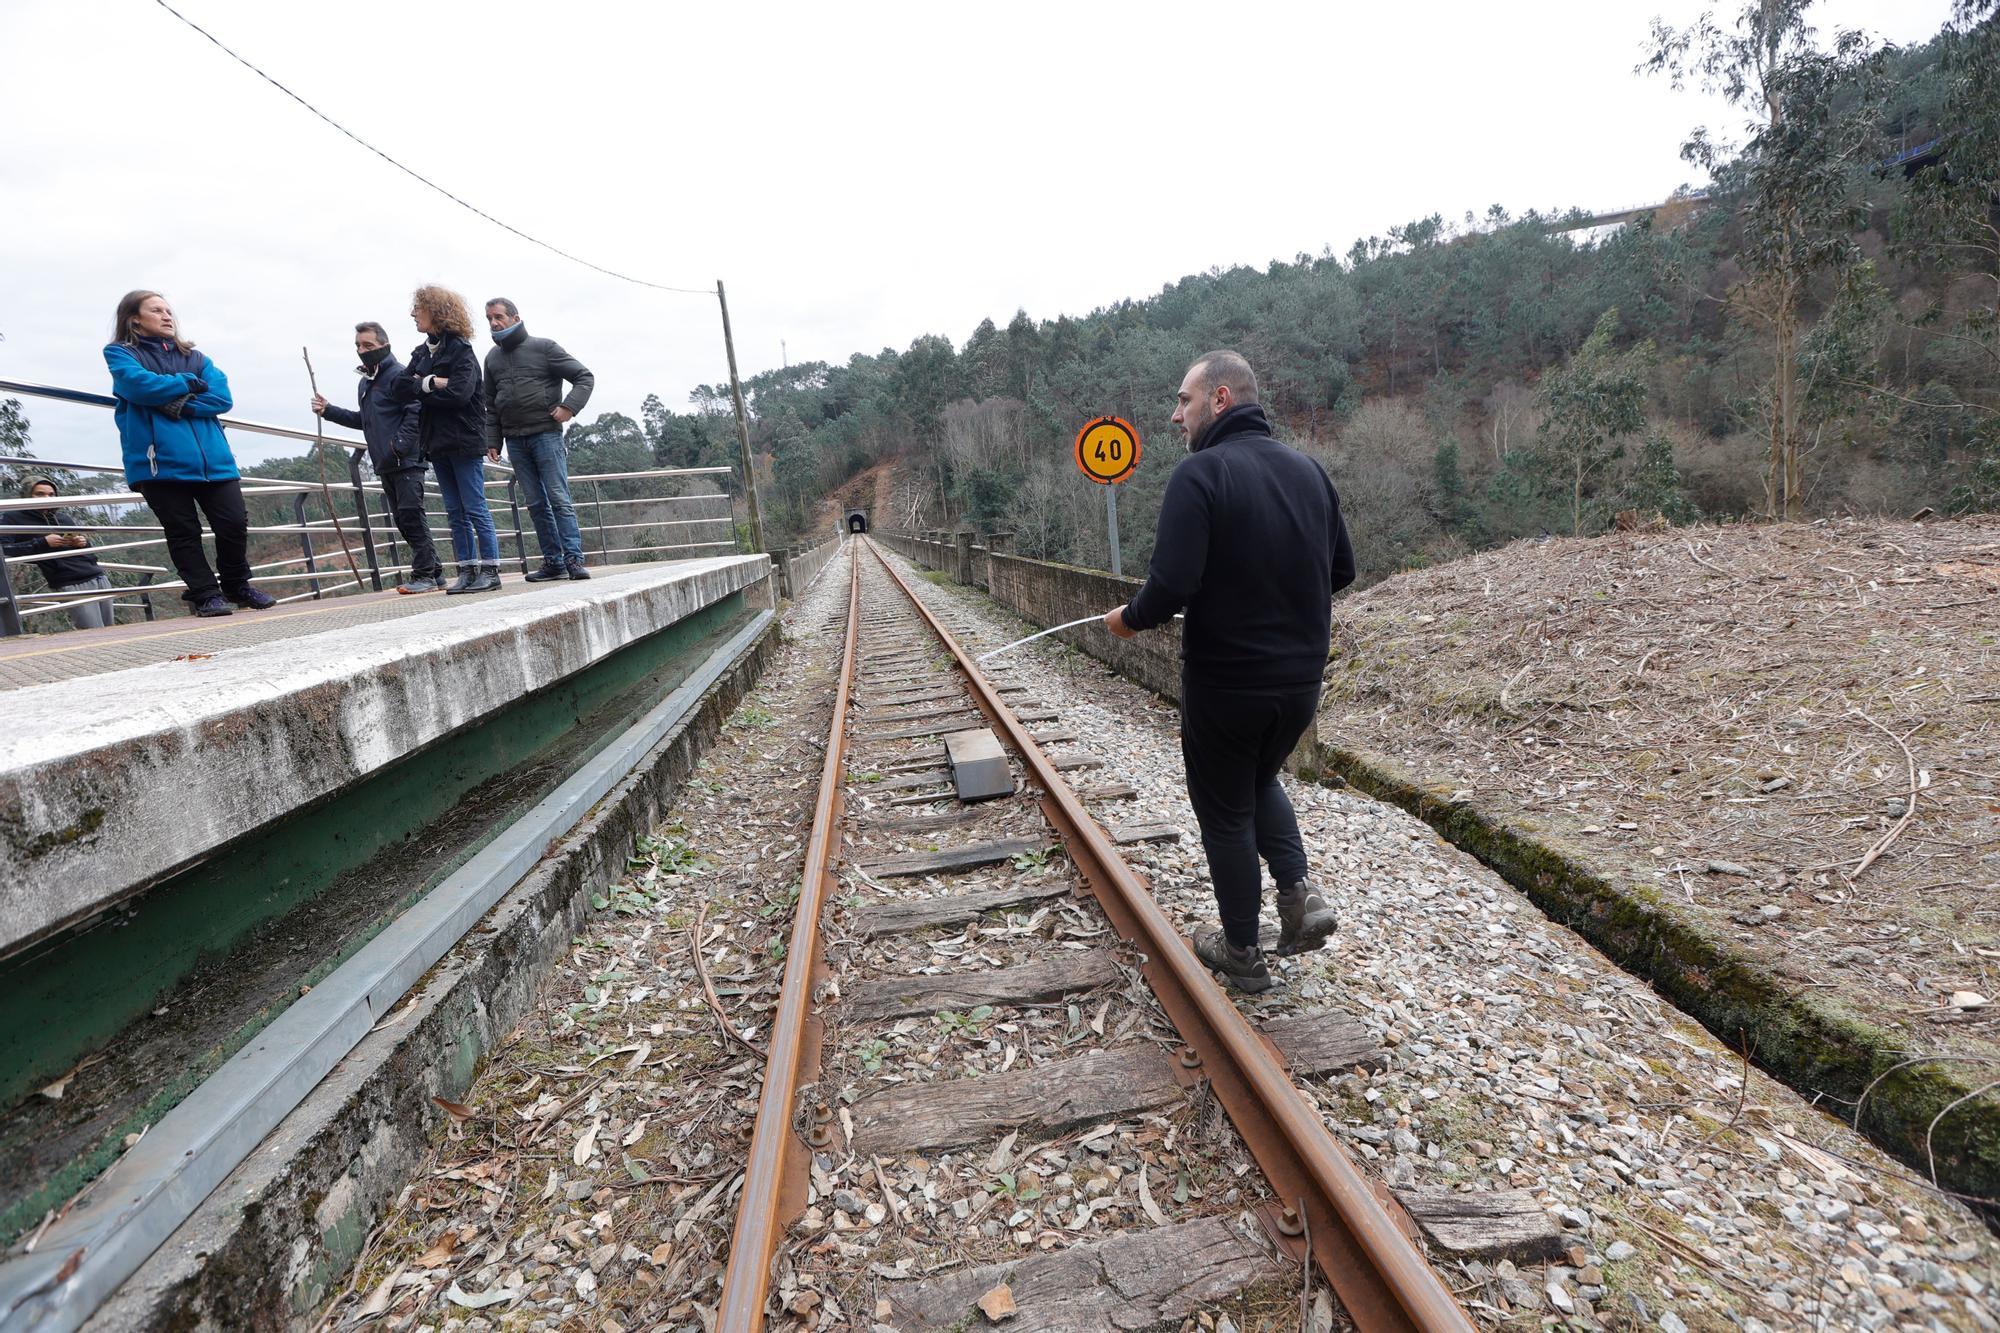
x,y
524,379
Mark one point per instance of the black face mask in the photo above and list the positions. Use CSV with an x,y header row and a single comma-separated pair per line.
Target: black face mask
x,y
374,357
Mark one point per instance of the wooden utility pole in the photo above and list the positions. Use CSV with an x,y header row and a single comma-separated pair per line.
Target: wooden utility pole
x,y
742,425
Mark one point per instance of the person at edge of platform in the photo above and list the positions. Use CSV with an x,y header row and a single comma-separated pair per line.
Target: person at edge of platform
x,y
1250,540
394,450
526,407
63,573
442,379
176,456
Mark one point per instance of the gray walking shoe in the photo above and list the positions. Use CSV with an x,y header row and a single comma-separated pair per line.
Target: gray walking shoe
x,y
1304,919
1243,968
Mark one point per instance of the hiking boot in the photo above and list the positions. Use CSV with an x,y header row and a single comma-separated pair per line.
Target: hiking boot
x,y
466,574
1304,919
252,599
487,579
546,572
577,571
1243,968
215,604
421,583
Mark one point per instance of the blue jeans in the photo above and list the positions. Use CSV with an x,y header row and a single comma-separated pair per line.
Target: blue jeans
x,y
462,482
541,465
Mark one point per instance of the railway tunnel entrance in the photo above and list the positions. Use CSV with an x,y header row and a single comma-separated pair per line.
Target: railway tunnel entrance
x,y
857,520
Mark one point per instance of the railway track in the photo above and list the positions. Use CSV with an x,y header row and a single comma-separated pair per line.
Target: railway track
x,y
987,993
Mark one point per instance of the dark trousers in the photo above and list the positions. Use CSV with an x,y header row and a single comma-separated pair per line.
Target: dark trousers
x,y
404,490
175,504
1234,742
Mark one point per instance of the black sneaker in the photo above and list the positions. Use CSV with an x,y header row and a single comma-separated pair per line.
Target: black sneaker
x,y
421,583
1304,919
547,572
577,571
252,599
1243,968
215,604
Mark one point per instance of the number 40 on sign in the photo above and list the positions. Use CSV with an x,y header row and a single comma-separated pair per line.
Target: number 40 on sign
x,y
1107,450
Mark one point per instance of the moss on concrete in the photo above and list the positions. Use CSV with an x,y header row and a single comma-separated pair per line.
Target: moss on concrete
x,y
1815,1042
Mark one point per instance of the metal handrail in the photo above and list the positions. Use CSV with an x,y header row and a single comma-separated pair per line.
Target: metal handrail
x,y
657,472
15,606
88,399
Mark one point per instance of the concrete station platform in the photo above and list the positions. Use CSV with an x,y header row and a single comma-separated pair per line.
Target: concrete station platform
x,y
33,659
143,749
225,848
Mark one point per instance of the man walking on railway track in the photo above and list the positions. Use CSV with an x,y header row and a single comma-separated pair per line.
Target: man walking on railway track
x,y
526,407
1250,541
394,450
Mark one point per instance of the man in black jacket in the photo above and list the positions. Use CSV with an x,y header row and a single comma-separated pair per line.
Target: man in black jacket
x,y
78,574
526,407
1250,540
393,449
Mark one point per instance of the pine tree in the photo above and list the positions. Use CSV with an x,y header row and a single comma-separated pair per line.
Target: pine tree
x,y
1449,503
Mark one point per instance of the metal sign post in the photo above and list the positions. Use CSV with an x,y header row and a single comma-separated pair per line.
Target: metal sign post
x,y
1107,451
1111,525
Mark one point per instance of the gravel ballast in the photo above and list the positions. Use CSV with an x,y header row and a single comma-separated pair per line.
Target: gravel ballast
x,y
1698,1192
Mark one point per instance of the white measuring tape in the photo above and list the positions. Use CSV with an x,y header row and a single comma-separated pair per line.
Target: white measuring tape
x,y
1010,647
1040,634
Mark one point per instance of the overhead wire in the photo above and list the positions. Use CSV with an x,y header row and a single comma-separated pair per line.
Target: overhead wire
x,y
419,176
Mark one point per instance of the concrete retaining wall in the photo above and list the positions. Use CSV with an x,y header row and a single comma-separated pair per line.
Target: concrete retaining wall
x,y
110,783
799,566
277,1237
1045,593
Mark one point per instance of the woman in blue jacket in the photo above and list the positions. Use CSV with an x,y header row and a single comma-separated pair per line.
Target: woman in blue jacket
x,y
169,398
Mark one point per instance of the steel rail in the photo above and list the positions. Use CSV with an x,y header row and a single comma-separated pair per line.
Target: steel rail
x,y
774,1180
1374,1266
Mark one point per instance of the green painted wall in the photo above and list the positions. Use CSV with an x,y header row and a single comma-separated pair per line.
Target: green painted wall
x,y
79,991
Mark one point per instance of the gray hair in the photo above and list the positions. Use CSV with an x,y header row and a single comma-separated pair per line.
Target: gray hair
x,y
370,326
1224,367
513,311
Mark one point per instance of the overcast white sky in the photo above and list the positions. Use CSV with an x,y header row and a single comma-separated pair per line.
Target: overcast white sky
x,y
856,174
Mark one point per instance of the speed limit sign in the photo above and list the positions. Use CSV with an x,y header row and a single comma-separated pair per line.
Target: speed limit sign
x,y
1107,450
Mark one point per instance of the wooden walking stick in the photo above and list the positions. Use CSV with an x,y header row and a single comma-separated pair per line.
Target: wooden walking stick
x,y
319,451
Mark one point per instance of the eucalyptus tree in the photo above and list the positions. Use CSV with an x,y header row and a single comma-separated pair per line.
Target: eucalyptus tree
x,y
1797,181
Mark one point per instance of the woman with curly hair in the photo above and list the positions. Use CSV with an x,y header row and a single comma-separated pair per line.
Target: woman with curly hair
x,y
169,400
442,378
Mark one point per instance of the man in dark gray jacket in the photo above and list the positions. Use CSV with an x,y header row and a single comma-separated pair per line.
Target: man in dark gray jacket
x,y
526,408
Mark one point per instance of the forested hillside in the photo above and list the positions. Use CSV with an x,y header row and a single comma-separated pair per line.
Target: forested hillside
x,y
1812,332
1815,336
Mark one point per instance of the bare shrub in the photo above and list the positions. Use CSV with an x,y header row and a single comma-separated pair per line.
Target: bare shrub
x,y
986,436
1720,474
1381,463
1511,419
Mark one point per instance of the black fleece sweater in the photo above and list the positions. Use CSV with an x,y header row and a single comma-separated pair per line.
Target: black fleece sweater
x,y
1251,543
